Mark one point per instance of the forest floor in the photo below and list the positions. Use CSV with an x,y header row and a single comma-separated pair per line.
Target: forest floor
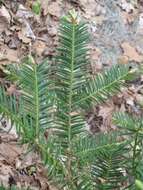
x,y
116,29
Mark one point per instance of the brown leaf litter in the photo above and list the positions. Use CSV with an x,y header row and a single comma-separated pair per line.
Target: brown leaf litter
x,y
131,52
19,168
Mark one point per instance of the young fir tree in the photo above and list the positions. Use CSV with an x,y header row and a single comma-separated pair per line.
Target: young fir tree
x,y
55,104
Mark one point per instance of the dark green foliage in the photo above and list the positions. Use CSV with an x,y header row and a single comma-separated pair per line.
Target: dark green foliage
x,y
55,104
132,128
31,110
109,168
98,88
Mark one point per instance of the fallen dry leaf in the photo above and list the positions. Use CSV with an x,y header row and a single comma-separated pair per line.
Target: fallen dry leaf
x,y
44,6
106,112
130,101
26,33
131,52
44,185
39,47
123,59
93,121
10,152
139,99
126,6
95,53
4,19
52,31
7,137
129,18
27,30
30,159
4,13
23,13
95,57
22,36
99,19
54,9
8,55
92,9
5,173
